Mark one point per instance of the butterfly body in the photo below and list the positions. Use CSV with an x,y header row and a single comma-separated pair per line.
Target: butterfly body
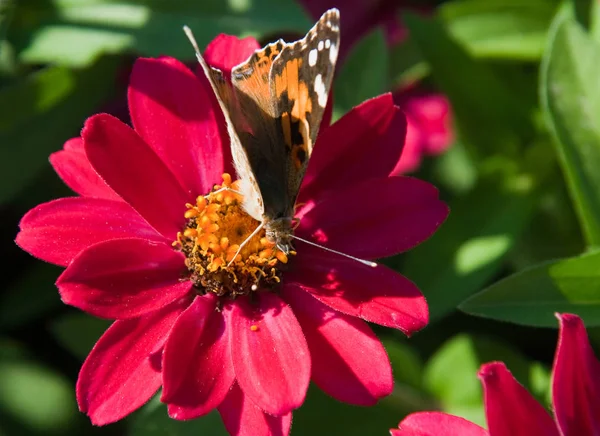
x,y
273,104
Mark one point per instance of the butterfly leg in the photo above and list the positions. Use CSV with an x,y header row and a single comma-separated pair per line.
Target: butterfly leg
x,y
224,188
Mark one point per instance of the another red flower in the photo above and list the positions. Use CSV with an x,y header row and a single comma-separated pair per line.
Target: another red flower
x,y
147,244
429,129
512,411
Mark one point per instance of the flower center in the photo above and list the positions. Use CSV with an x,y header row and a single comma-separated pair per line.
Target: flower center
x,y
217,226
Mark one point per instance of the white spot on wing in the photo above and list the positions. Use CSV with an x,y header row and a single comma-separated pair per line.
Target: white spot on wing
x,y
320,90
320,45
333,52
327,43
312,57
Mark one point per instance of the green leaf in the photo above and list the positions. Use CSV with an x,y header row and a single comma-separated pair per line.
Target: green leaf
x,y
76,32
364,74
489,115
78,332
532,296
407,64
33,397
570,94
500,29
455,169
39,113
471,245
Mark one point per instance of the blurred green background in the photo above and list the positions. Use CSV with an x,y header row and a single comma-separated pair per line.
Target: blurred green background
x,y
520,171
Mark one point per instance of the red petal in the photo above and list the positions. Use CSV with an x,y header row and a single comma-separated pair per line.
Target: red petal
x,y
124,278
118,377
59,230
364,144
509,408
378,218
226,51
377,295
270,355
356,377
136,173
197,367
173,113
73,167
242,418
437,424
576,380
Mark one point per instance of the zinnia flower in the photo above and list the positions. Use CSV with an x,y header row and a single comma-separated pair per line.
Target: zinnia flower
x,y
512,411
146,244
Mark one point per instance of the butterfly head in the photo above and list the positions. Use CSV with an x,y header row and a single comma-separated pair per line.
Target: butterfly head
x,y
279,232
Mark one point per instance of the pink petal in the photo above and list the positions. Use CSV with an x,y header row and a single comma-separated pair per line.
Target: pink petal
x,y
377,218
197,367
173,113
412,153
576,380
242,418
59,230
225,51
364,144
118,376
73,167
509,408
431,115
124,278
437,424
348,361
377,295
136,173
270,354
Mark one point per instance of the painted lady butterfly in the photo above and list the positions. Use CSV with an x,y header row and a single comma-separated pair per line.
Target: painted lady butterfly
x,y
273,104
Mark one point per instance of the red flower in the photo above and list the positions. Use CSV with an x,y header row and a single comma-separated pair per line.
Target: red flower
x,y
512,411
146,244
429,127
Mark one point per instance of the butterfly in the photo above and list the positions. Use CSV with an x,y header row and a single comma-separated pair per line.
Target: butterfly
x,y
273,104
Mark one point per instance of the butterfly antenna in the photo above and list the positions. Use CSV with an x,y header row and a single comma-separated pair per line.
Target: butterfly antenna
x,y
203,64
190,36
252,235
364,262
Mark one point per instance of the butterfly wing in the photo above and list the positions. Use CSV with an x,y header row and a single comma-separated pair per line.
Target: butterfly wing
x,y
300,82
224,92
282,92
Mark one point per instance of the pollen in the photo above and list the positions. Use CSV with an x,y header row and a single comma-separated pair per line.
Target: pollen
x,y
216,227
